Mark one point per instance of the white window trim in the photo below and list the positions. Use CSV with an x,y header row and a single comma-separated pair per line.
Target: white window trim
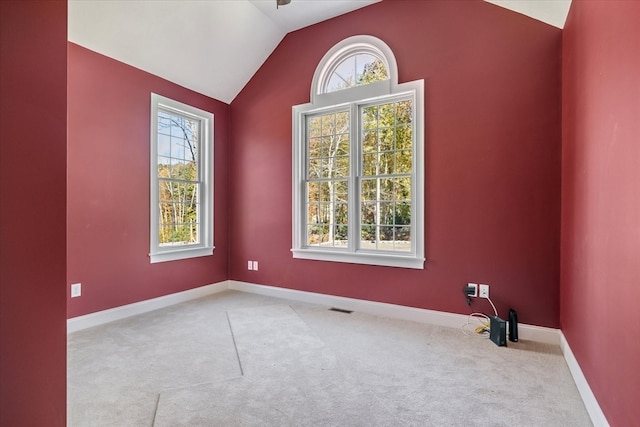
x,y
205,247
353,98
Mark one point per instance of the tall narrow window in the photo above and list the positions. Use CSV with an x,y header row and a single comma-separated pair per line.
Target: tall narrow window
x,y
181,180
359,162
386,179
328,165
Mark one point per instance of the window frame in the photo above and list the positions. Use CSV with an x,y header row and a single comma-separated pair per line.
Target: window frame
x,y
354,99
205,245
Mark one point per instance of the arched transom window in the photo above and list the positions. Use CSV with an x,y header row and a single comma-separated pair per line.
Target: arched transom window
x,y
356,69
358,163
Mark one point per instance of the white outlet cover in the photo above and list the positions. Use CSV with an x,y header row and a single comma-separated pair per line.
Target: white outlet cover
x,y
76,290
484,291
250,265
255,265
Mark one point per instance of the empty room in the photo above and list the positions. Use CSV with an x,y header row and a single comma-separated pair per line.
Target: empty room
x,y
319,212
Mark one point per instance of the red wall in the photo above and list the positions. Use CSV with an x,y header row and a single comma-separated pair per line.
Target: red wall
x,y
33,129
493,101
601,200
108,186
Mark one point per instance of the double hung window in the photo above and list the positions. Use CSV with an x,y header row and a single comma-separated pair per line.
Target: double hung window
x,y
359,162
181,180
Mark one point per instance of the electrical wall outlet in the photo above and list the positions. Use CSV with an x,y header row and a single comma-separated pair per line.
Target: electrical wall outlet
x,y
255,265
475,289
484,291
250,265
76,290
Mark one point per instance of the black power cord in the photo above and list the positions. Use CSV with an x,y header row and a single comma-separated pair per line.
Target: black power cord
x,y
468,291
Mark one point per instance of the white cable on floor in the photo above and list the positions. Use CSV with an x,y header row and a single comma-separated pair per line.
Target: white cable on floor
x,y
482,323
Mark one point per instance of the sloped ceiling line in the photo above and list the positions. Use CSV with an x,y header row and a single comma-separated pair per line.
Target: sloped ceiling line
x,y
160,37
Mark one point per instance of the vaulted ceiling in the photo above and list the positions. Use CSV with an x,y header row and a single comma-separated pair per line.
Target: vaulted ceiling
x,y
215,46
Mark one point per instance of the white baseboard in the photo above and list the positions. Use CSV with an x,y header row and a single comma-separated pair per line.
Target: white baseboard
x,y
440,318
101,317
588,398
420,315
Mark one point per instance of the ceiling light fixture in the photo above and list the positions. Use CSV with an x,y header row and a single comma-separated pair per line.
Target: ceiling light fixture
x,y
282,3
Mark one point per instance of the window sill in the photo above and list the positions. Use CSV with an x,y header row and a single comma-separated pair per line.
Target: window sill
x,y
177,254
386,260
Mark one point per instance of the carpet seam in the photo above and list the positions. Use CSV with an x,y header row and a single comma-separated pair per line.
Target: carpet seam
x,y
235,346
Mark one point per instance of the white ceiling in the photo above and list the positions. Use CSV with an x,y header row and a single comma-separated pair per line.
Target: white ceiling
x,y
553,12
215,46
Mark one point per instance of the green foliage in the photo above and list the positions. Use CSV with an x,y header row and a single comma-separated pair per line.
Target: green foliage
x,y
374,71
178,198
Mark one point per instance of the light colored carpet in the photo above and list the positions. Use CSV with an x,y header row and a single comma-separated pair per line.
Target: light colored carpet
x,y
236,359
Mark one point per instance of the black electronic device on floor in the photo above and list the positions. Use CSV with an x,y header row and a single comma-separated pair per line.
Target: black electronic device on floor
x,y
513,325
498,330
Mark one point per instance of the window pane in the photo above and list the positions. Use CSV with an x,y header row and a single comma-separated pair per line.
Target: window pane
x,y
341,167
385,191
341,190
342,122
370,164
402,189
368,237
342,148
314,168
386,213
387,165
312,213
368,213
164,123
314,147
403,162
386,162
368,190
370,118
317,235
387,139
403,213
178,144
324,191
341,214
328,155
327,213
404,112
341,233
314,127
312,192
369,141
402,240
404,138
356,70
387,114
164,145
178,216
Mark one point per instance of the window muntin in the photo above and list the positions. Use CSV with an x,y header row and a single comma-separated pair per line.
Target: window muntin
x,y
181,181
372,212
